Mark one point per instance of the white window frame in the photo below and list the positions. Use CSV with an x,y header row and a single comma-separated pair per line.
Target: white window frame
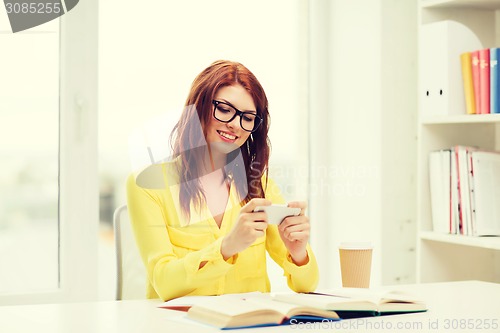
x,y
78,168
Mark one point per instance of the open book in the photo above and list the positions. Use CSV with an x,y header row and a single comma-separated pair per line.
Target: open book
x,y
263,309
227,313
354,302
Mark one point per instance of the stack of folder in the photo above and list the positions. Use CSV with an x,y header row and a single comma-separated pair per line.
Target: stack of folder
x,y
465,191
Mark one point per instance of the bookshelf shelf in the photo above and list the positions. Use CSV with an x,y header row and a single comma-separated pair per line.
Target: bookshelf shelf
x,y
491,243
462,119
446,257
475,4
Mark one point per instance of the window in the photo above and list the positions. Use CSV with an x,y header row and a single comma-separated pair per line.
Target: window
x,y
29,149
48,153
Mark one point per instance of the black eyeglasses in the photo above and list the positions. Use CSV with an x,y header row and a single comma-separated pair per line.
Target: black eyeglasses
x,y
225,113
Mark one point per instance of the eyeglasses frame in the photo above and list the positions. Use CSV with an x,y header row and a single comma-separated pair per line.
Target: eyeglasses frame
x,y
257,122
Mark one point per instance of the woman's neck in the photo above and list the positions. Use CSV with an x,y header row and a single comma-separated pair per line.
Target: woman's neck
x,y
212,161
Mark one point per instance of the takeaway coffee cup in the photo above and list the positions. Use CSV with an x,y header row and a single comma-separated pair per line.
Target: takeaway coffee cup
x,y
356,264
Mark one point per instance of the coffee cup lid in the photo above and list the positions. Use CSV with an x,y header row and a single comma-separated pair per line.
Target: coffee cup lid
x,y
356,245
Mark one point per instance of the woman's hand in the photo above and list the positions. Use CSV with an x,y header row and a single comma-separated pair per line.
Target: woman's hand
x,y
294,231
249,226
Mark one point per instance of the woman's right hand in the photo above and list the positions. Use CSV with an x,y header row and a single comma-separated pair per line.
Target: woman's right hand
x,y
249,226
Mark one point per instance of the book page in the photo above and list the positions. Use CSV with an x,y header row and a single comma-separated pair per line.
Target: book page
x,y
282,307
186,302
327,302
233,312
290,309
376,296
234,307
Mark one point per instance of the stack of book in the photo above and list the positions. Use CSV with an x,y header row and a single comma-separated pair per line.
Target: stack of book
x,y
464,185
480,74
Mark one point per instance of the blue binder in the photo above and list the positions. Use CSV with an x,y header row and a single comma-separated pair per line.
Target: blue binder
x,y
494,77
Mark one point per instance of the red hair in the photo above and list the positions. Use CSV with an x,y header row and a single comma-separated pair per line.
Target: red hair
x,y
186,135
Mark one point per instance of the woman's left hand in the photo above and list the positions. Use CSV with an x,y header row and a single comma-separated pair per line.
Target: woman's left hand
x,y
294,231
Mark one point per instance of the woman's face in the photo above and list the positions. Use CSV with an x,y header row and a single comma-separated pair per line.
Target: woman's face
x,y
226,137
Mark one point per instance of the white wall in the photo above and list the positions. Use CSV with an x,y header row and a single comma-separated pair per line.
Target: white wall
x,y
399,141
355,123
358,128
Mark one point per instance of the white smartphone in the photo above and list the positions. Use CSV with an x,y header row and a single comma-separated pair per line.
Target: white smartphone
x,y
277,213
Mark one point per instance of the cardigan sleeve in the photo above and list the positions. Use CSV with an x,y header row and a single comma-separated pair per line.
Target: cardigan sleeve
x,y
169,275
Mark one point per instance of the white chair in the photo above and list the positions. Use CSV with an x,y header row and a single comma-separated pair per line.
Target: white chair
x,y
131,274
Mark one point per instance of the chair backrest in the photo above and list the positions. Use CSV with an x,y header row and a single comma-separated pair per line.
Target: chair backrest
x,y
131,274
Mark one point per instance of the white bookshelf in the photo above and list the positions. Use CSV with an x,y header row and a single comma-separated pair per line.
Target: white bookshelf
x,y
473,4
444,257
461,119
489,243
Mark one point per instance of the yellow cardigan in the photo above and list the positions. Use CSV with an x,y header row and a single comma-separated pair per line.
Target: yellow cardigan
x,y
173,248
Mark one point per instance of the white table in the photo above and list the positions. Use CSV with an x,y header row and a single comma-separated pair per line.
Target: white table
x,y
468,306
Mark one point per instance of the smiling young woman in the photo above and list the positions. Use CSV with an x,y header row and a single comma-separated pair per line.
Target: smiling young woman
x,y
197,231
